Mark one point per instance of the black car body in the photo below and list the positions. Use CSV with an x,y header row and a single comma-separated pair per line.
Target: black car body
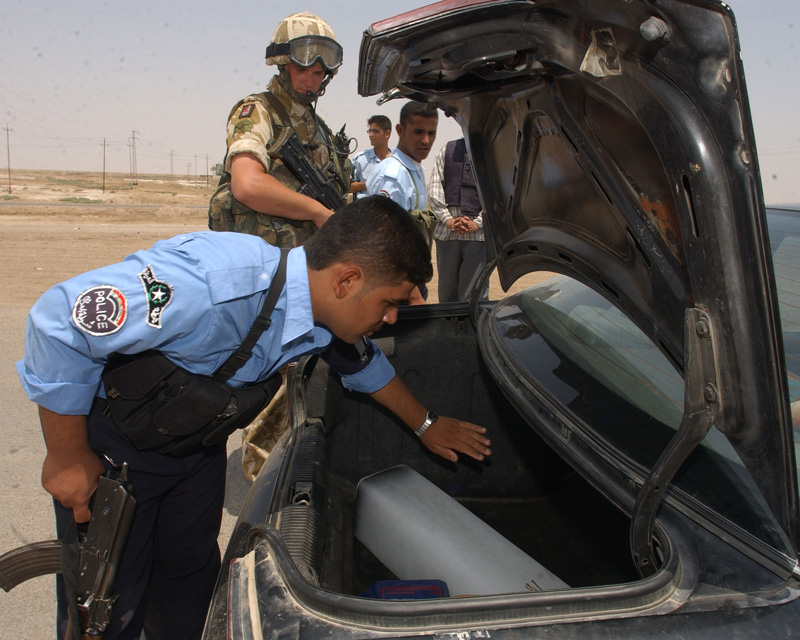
x,y
638,403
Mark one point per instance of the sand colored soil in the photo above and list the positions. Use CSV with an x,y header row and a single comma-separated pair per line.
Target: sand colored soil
x,y
57,224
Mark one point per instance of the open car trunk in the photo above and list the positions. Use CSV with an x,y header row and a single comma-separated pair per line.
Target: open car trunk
x,y
524,491
298,565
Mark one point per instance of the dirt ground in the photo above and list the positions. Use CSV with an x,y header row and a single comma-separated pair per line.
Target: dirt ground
x,y
57,224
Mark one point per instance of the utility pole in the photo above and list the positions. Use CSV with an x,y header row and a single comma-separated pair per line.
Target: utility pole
x,y
171,153
8,154
195,169
206,171
189,171
134,178
104,165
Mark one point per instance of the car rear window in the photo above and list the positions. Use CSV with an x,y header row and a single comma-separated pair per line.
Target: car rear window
x,y
784,233
582,352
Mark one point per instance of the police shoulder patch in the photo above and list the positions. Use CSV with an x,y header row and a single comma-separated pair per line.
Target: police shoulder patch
x,y
247,110
100,311
157,294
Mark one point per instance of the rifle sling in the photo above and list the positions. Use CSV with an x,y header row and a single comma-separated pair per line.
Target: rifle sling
x,y
286,123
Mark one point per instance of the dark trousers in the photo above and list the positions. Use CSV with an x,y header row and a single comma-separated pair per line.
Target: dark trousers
x,y
171,560
458,262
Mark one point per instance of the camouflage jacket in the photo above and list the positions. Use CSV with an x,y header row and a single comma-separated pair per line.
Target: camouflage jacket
x,y
253,126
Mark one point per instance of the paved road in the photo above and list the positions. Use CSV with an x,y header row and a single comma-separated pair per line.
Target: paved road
x,y
28,611
90,205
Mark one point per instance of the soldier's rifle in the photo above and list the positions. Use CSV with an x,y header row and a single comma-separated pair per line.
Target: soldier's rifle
x,y
314,182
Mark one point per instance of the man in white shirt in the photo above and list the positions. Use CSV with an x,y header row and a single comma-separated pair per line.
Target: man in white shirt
x,y
453,197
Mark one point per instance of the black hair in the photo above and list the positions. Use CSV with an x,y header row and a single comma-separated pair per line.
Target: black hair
x,y
422,109
382,121
379,236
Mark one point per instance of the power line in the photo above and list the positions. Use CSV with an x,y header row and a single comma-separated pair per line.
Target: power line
x,y
59,115
779,151
39,134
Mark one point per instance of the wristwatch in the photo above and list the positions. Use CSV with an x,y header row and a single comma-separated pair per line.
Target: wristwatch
x,y
430,418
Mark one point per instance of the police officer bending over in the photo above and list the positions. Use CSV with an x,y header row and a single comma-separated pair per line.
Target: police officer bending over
x,y
193,298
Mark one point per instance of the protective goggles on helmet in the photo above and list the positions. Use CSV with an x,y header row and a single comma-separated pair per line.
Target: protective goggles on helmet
x,y
308,50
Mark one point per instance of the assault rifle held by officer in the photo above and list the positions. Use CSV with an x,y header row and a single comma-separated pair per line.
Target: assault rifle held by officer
x,y
89,562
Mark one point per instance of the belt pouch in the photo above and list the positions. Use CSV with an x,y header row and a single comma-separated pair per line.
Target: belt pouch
x,y
160,406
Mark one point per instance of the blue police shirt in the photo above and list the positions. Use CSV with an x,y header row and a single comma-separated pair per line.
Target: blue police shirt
x,y
401,178
192,297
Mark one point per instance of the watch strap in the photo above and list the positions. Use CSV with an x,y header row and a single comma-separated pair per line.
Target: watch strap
x,y
430,418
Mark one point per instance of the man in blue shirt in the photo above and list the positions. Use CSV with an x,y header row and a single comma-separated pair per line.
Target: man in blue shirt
x,y
194,298
366,162
400,176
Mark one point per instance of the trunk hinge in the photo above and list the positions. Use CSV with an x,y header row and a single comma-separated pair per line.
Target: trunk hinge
x,y
702,404
480,284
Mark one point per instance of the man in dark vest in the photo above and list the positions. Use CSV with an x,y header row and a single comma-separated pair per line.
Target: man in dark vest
x,y
453,197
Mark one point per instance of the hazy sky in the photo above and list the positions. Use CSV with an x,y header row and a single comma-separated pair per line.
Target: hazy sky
x,y
75,73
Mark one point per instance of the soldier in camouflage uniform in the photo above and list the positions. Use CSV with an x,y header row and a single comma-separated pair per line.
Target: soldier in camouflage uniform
x,y
257,194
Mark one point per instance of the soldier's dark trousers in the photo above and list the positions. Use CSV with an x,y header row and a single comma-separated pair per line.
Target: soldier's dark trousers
x,y
171,560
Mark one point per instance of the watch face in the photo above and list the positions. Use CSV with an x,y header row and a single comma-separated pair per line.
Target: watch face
x,y
432,416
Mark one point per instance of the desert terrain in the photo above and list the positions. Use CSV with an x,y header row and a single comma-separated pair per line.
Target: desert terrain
x,y
57,224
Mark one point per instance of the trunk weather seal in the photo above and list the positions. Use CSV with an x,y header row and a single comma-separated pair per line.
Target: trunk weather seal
x,y
655,594
701,409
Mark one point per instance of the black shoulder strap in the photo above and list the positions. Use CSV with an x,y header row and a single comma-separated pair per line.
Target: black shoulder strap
x,y
261,324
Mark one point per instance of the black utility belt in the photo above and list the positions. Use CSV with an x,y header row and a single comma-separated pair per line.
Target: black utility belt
x,y
162,407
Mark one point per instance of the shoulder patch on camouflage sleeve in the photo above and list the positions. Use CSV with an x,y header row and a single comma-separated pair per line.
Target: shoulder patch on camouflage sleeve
x,y
247,110
242,127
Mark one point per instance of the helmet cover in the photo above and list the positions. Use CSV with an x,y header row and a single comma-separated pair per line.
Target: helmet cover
x,y
309,38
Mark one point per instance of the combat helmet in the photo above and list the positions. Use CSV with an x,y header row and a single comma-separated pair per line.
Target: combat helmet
x,y
305,39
